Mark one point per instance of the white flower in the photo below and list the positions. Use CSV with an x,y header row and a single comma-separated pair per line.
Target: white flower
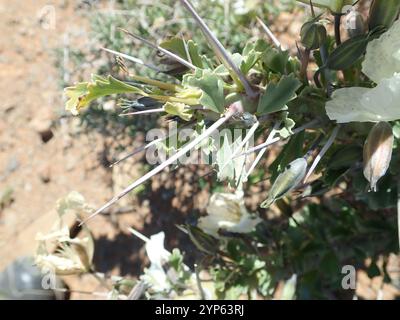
x,y
381,65
227,211
73,256
155,276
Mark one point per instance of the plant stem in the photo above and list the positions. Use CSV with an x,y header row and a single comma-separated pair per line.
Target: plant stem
x,y
324,58
269,33
337,17
323,151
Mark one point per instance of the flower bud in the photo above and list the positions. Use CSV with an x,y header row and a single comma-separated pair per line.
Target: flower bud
x,y
346,54
313,34
383,13
378,153
286,181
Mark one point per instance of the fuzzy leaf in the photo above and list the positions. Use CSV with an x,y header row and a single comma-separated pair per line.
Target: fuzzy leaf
x,y
276,96
212,88
251,54
230,169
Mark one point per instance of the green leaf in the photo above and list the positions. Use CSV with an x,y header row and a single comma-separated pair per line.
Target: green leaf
x,y
276,60
289,124
251,54
194,54
83,93
348,53
212,88
177,46
176,260
276,96
229,169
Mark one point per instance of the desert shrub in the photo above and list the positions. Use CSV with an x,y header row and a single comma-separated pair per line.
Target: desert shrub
x,y
331,113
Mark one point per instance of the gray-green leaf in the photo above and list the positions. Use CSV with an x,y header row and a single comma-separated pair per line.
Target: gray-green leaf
x,y
276,96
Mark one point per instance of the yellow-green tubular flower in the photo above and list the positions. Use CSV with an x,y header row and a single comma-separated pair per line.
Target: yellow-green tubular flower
x,y
381,65
286,181
378,152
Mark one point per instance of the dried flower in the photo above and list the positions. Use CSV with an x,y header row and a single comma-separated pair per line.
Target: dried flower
x,y
72,256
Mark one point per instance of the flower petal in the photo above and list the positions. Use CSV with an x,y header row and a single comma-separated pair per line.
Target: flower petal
x,y
155,249
227,211
366,105
382,59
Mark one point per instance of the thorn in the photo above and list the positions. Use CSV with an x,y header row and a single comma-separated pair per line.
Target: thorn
x,y
219,50
275,140
131,58
145,147
322,152
261,153
165,51
142,112
241,145
269,33
231,111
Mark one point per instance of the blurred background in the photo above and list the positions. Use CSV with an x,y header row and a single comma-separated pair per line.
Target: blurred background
x,y
45,152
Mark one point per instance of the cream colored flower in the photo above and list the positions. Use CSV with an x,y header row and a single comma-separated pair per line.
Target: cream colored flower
x,y
381,65
73,256
227,211
155,275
